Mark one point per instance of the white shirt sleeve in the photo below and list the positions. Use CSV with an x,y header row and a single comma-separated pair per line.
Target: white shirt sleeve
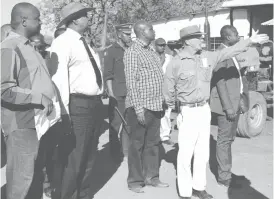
x,y
60,58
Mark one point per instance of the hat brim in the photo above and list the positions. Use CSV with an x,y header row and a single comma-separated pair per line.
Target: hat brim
x,y
73,16
193,34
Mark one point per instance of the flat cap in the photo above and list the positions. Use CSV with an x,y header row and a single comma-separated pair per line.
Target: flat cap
x,y
125,28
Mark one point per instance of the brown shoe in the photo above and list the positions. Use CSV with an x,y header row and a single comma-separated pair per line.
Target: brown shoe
x,y
201,194
137,189
156,183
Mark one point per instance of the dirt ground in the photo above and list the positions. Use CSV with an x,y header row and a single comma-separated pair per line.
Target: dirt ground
x,y
252,158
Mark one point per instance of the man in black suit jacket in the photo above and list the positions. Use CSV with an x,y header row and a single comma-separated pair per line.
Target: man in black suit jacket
x,y
226,88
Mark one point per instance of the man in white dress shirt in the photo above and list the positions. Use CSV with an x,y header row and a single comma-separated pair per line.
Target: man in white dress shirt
x,y
165,128
79,80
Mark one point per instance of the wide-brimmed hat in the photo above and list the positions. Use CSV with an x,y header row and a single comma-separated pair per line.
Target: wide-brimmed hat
x,y
72,11
190,31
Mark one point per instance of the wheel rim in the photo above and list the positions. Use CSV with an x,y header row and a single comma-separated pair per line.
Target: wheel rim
x,y
256,115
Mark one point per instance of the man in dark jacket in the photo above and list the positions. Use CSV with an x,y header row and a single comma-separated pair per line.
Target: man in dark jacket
x,y
116,85
227,86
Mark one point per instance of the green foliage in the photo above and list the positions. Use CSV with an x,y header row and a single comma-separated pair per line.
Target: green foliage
x,y
123,11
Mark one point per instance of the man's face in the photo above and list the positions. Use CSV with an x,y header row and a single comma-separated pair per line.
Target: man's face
x,y
33,23
233,37
125,37
149,33
196,42
84,21
160,48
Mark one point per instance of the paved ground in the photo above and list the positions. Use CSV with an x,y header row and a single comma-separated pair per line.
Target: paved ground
x,y
252,158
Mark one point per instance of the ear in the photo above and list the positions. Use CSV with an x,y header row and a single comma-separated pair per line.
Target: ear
x,y
24,22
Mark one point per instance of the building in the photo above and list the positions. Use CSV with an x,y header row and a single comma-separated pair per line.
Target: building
x,y
246,16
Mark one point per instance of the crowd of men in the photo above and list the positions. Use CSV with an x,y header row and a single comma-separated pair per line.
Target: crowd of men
x,y
51,104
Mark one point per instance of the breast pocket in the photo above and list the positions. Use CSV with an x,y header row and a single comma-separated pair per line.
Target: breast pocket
x,y
205,73
188,79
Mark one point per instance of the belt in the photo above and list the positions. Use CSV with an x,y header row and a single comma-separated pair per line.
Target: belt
x,y
191,105
82,96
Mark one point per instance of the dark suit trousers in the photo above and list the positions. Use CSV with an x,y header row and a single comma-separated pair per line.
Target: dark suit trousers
x,y
226,136
86,116
143,153
114,126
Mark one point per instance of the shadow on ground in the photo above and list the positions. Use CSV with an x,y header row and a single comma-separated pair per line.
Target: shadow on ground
x,y
246,191
105,167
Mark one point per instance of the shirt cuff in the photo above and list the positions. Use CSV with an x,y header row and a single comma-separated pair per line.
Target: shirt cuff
x,y
36,98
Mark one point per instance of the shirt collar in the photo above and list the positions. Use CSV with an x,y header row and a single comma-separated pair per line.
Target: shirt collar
x,y
224,45
143,44
20,38
185,54
73,33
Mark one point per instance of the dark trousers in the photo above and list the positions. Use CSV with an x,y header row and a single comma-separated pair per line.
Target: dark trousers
x,y
226,136
86,117
143,153
114,126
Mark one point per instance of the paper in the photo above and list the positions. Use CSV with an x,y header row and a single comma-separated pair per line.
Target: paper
x,y
44,122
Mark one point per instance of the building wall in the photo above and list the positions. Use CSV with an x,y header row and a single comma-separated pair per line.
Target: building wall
x,y
170,30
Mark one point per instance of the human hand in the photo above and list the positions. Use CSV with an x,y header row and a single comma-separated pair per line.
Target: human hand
x,y
47,104
259,38
230,115
141,117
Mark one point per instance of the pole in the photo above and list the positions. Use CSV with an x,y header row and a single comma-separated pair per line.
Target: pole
x,y
207,28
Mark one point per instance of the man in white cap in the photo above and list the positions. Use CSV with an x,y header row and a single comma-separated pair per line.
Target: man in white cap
x,y
189,73
79,80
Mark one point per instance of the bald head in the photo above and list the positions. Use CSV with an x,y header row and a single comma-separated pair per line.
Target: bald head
x,y
229,35
5,30
25,16
144,30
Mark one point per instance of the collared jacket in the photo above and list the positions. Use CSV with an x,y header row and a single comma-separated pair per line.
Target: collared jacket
x,y
190,75
114,69
225,87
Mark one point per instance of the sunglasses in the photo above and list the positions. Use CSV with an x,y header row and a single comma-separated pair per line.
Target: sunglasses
x,y
162,45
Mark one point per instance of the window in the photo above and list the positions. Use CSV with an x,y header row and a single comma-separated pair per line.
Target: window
x,y
215,43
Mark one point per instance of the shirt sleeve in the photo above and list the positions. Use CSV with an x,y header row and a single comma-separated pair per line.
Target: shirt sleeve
x,y
11,92
109,62
131,68
59,59
227,53
169,86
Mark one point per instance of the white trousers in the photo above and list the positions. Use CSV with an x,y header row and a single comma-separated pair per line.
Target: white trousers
x,y
193,138
165,127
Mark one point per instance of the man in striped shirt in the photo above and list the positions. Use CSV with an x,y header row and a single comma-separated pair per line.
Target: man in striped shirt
x,y
144,81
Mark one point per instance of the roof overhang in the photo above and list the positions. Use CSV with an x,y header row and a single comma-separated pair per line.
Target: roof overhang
x,y
243,3
268,23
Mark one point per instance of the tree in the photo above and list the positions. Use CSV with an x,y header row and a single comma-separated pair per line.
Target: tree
x,y
122,11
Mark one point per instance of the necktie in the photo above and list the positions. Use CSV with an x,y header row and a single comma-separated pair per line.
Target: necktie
x,y
94,64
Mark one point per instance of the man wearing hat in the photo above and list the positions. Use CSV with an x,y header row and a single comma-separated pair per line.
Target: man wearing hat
x,y
79,80
165,128
116,84
189,73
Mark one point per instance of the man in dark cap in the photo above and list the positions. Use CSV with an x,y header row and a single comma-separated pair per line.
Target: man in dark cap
x,y
189,73
116,85
78,77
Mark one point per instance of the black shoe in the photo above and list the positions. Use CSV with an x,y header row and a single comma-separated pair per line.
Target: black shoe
x,y
156,183
137,189
201,194
168,142
180,197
